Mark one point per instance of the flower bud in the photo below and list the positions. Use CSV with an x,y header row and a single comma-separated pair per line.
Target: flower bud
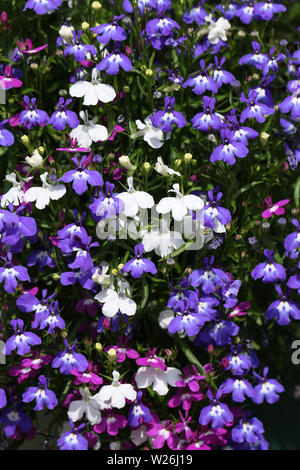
x,y
187,157
98,347
120,266
149,72
96,6
147,166
114,272
125,161
241,33
36,161
265,226
41,150
66,32
85,25
112,353
178,162
34,66
126,89
264,137
25,139
212,138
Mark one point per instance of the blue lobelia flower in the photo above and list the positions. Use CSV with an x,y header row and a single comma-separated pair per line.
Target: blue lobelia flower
x,y
240,388
20,340
283,309
62,117
41,394
229,149
32,116
267,389
167,118
110,31
139,265
73,440
81,177
217,413
6,137
269,271
69,359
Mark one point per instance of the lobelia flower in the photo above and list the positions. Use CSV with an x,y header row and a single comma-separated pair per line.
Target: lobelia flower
x,y
196,13
255,110
51,319
112,63
7,80
167,118
81,177
283,309
134,200
187,319
157,377
258,59
139,265
6,137
218,413
74,148
267,389
180,205
28,367
163,26
14,421
214,214
3,401
291,103
241,133
69,359
238,363
291,242
43,194
208,278
219,333
267,9
41,394
107,204
73,440
32,116
42,6
42,257
87,406
207,120
139,413
246,12
116,301
10,273
163,433
163,241
93,91
163,169
201,82
62,117
247,430
221,76
36,160
122,352
274,208
116,394
110,31
217,30
21,340
184,397
89,377
78,49
239,310
111,423
152,135
272,62
72,232
27,47
238,387
269,271
229,149
83,259
89,131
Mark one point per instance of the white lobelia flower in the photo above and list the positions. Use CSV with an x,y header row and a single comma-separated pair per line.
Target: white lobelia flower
x,y
66,32
180,204
93,91
115,395
43,194
36,160
14,195
134,200
88,406
124,160
139,436
165,317
160,379
163,169
163,241
152,135
89,131
217,30
116,301
100,276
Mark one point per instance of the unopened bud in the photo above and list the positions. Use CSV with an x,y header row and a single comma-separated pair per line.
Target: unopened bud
x,y
25,139
98,347
85,25
112,353
126,89
96,5
66,32
187,157
147,166
34,66
120,266
114,272
125,161
178,162
149,72
264,137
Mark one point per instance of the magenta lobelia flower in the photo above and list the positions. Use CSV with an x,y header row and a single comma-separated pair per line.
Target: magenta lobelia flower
x,y
274,208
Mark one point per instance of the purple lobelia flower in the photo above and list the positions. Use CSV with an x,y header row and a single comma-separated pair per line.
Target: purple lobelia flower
x,y
239,363
78,49
187,320
163,26
291,242
267,9
247,430
221,76
182,294
218,333
138,413
13,418
41,394
208,278
272,62
269,271
110,31
81,177
241,133
229,149
207,120
283,309
167,118
42,7
218,413
63,116
83,260
184,397
291,104
30,303
255,109
112,62
205,308
6,137
32,116
213,211
3,401
196,13
42,257
139,265
201,82
69,359
258,59
72,232
10,273
84,278
107,205
267,389
51,319
20,340
229,293
73,440
246,12
240,388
